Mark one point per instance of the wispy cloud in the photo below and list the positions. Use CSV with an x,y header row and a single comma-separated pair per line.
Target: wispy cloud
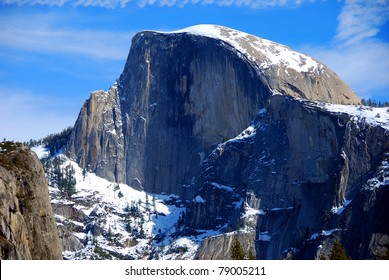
x,y
52,3
41,33
356,53
361,19
111,4
26,115
59,3
254,4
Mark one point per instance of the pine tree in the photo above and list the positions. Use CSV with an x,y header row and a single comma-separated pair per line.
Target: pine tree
x,y
237,252
69,183
133,209
147,203
128,225
127,209
56,174
139,204
141,232
83,174
338,252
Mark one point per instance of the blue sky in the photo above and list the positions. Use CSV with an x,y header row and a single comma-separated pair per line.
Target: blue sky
x,y
53,53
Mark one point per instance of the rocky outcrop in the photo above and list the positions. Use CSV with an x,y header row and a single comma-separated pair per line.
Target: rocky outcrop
x,y
28,230
96,141
182,93
295,166
220,247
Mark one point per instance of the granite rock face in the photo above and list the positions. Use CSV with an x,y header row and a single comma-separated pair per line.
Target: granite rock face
x,y
290,177
220,247
28,229
96,141
182,93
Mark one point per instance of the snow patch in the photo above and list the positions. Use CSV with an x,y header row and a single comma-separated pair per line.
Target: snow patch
x,y
248,133
252,212
340,209
198,199
380,179
112,131
373,116
323,233
222,187
105,204
40,151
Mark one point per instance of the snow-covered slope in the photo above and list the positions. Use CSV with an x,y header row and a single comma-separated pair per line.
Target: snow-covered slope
x,y
254,47
115,221
371,115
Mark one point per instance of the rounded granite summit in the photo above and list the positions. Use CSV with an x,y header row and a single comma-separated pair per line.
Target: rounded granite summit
x,y
287,71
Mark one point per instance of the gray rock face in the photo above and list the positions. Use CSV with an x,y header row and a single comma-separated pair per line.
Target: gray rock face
x,y
96,141
299,164
28,229
180,94
220,247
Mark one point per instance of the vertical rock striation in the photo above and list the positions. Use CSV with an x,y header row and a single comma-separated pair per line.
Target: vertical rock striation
x,y
295,168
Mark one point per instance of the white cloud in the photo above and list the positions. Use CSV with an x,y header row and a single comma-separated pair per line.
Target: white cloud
x,y
254,4
357,55
52,3
361,19
39,33
59,3
25,115
111,4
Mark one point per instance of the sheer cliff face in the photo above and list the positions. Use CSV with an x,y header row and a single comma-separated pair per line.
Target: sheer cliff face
x,y
28,230
180,95
293,170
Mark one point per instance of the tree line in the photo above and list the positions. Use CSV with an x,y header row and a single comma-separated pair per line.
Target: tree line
x,y
52,142
374,103
59,176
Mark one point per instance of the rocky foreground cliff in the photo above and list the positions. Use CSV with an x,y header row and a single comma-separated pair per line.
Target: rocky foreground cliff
x,y
28,229
246,133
